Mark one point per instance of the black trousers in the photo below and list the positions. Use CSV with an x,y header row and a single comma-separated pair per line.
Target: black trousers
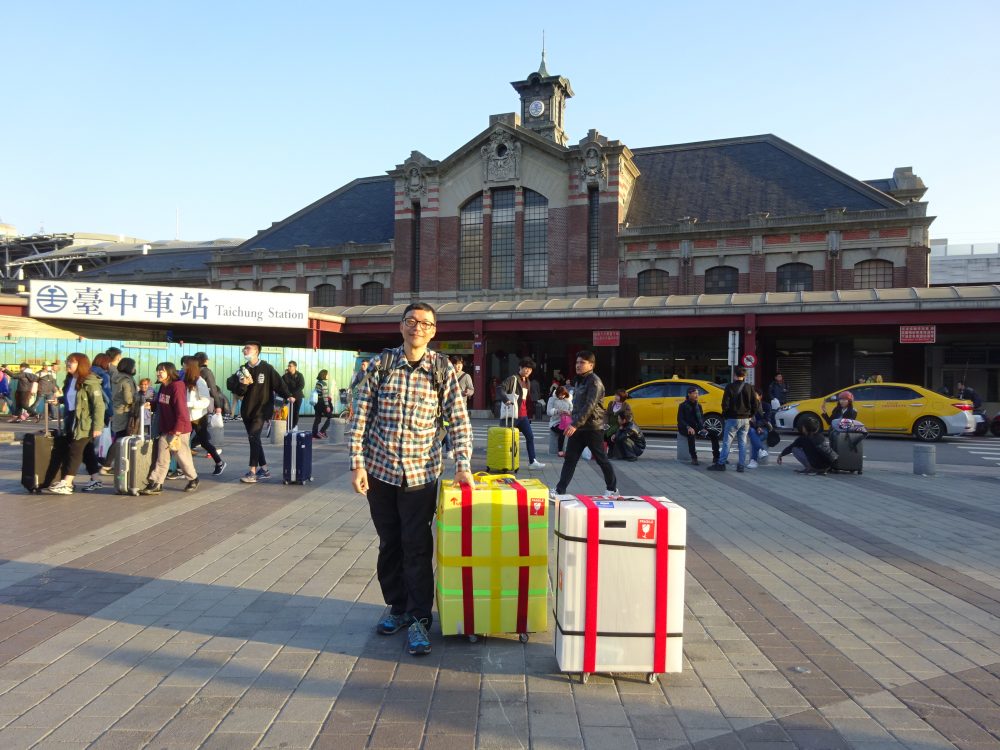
x,y
78,450
254,427
321,412
200,430
714,437
402,518
295,406
593,439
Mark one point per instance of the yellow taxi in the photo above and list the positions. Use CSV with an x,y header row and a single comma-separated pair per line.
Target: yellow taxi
x,y
889,408
654,403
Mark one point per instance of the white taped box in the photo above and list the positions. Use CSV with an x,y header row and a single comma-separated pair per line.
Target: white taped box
x,y
619,585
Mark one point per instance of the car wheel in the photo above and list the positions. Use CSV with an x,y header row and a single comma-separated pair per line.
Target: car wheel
x,y
714,423
808,418
928,429
995,428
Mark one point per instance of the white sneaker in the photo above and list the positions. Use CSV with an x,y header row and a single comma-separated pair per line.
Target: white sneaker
x,y
536,464
752,464
62,487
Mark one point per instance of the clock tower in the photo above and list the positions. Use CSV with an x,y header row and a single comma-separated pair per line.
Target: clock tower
x,y
543,103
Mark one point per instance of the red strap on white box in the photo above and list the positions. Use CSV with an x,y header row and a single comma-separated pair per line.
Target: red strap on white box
x,y
590,590
660,610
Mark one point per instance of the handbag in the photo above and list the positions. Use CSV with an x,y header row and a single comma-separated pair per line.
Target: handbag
x,y
104,442
773,438
314,397
565,422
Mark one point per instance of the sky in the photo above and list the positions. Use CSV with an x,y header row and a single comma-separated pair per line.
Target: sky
x,y
203,120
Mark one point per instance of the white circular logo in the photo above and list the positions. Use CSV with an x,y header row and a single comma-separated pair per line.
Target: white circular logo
x,y
536,108
749,360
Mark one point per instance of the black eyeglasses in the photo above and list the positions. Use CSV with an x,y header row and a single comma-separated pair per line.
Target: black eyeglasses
x,y
425,325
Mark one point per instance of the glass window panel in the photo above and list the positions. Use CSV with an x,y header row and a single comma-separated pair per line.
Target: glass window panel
x,y
873,274
593,235
371,293
795,277
536,249
722,280
653,283
470,249
324,295
502,240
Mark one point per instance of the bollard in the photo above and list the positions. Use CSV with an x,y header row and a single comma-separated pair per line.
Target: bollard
x,y
924,460
278,429
338,428
553,443
682,449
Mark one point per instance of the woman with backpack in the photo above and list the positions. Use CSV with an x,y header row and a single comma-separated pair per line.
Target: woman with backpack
x,y
200,404
322,405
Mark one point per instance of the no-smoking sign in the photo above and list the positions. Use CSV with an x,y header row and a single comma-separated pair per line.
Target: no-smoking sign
x,y
749,360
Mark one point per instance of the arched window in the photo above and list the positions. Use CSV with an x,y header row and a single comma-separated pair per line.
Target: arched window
x,y
536,240
653,283
371,293
470,246
795,277
324,295
280,288
722,280
873,274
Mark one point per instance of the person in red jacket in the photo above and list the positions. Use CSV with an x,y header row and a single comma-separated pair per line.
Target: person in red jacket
x,y
175,431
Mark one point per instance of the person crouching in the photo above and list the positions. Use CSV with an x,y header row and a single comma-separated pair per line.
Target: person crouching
x,y
812,449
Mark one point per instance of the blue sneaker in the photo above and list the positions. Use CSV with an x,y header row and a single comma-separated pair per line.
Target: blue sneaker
x,y
418,642
263,473
392,623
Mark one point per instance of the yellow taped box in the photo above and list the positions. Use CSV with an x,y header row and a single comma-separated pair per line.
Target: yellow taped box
x,y
492,556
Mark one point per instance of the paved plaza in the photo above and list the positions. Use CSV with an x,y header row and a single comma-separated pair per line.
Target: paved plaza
x,y
821,613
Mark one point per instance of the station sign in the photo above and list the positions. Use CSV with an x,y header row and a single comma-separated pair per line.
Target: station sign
x,y
918,334
135,303
607,338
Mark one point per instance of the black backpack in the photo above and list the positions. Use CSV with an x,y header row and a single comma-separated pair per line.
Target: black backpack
x,y
439,374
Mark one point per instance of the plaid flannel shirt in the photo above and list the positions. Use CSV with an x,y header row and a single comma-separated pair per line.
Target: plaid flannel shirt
x,y
401,441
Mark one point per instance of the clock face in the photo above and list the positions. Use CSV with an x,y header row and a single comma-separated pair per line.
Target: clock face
x,y
536,108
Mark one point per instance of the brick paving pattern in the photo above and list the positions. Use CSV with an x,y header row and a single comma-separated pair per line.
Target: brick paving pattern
x,y
821,612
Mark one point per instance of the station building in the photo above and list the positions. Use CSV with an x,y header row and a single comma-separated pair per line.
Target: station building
x,y
529,243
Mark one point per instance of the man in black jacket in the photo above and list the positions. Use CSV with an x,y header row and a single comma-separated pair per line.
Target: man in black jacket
x,y
257,383
587,427
691,424
295,384
739,403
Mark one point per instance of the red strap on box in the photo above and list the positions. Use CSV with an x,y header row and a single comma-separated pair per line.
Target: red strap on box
x,y
590,590
468,605
660,610
523,549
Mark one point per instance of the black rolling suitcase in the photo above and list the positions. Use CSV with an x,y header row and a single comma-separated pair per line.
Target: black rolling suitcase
x,y
297,457
847,438
41,459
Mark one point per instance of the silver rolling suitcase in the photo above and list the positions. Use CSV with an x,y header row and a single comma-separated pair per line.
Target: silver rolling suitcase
x,y
133,462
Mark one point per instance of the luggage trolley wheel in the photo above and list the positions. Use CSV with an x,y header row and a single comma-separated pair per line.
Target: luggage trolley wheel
x,y
651,678
473,637
523,637
584,677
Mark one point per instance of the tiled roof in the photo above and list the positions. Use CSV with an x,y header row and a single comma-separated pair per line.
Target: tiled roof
x,y
727,180
362,211
158,263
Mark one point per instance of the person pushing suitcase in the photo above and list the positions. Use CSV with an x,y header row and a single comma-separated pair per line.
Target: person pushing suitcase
x,y
407,396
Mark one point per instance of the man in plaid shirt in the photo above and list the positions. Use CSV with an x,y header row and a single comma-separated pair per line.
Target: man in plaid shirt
x,y
396,462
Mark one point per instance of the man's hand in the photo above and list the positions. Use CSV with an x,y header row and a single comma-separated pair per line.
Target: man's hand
x,y
246,381
291,399
690,430
359,480
779,460
569,431
218,411
97,433
465,477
